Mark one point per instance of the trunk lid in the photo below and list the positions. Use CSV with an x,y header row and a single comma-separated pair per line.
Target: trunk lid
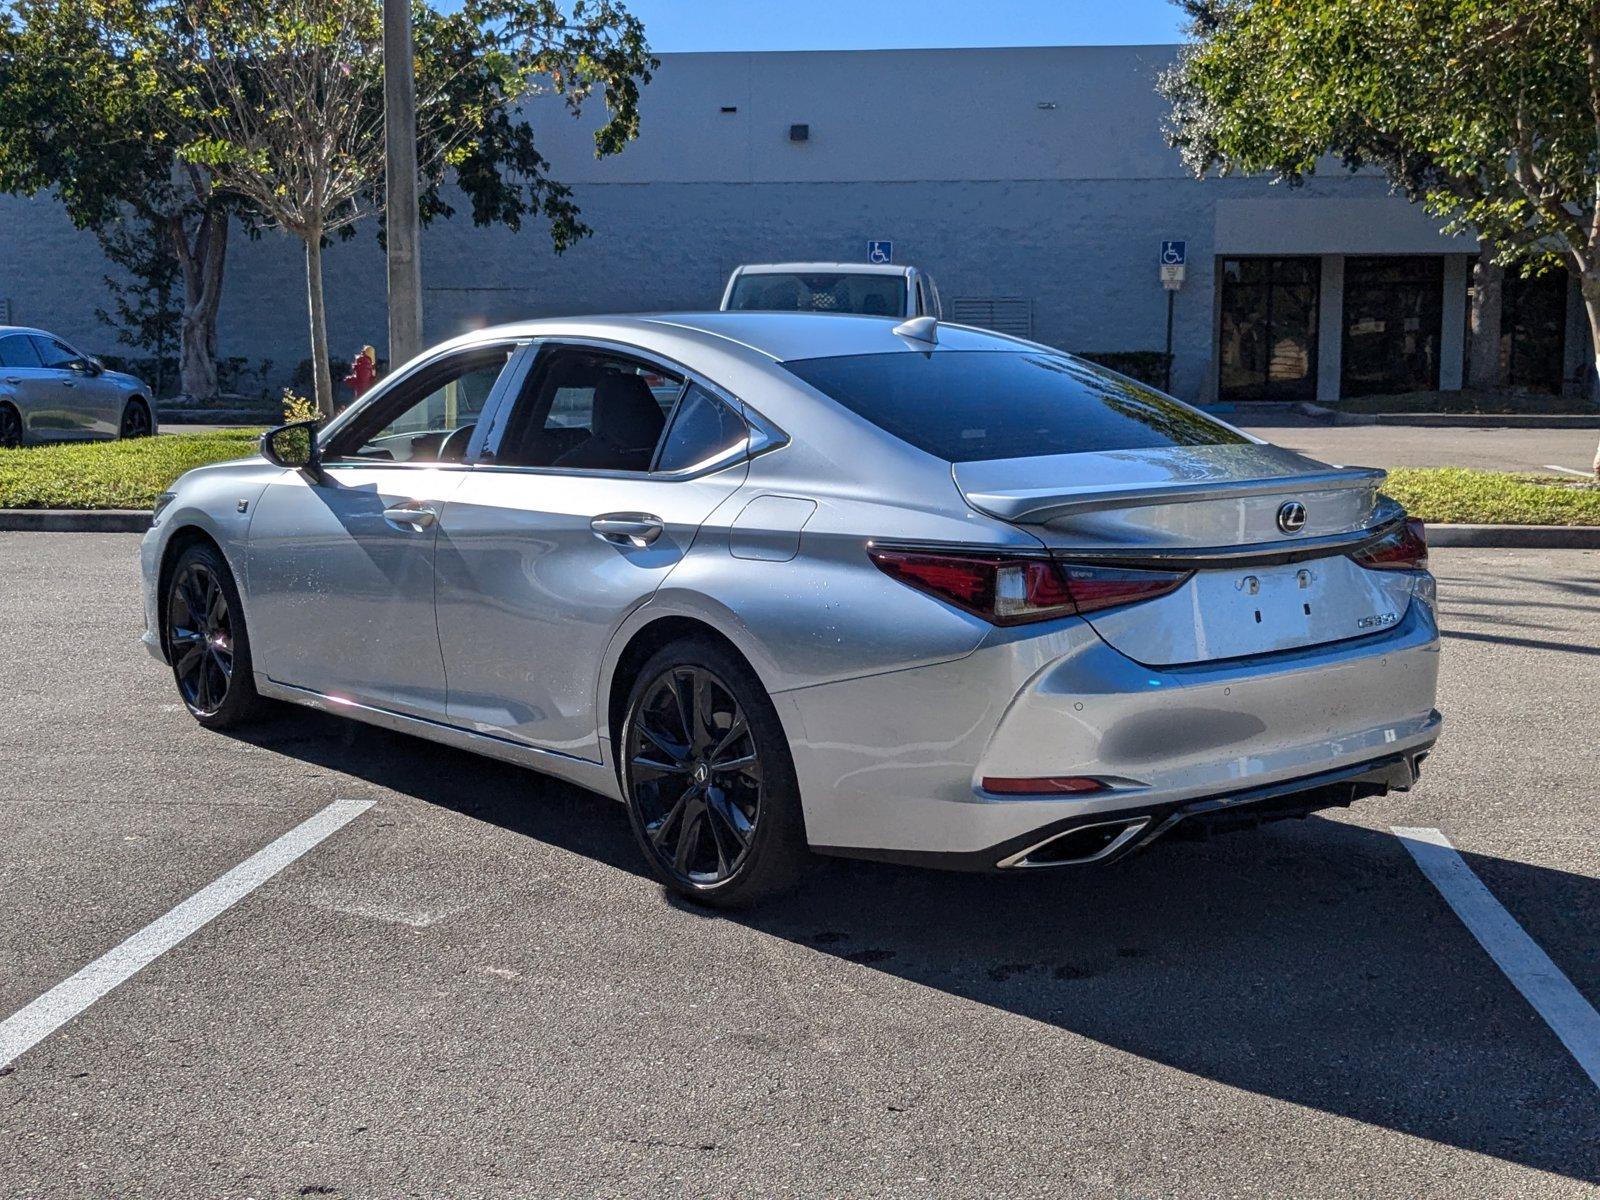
x,y
1214,510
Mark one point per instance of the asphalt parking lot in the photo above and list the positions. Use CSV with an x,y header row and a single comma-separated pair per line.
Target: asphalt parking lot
x,y
470,989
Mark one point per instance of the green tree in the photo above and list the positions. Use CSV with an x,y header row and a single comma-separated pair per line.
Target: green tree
x,y
145,310
74,125
1487,111
177,110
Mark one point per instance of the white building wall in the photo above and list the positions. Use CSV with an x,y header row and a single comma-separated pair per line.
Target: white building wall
x,y
1040,173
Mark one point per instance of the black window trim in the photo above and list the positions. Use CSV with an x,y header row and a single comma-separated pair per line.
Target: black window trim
x,y
378,398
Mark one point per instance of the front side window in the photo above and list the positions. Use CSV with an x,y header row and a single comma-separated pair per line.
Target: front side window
x,y
426,419
56,355
17,351
590,410
703,429
820,291
973,405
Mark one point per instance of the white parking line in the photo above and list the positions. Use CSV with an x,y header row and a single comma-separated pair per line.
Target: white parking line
x,y
1569,471
29,1026
1540,981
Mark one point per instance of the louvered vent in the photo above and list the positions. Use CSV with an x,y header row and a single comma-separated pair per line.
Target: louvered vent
x,y
1003,314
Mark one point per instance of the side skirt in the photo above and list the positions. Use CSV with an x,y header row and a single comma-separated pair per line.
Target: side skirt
x,y
597,777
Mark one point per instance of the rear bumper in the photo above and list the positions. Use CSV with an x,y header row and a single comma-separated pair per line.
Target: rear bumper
x,y
891,766
1105,838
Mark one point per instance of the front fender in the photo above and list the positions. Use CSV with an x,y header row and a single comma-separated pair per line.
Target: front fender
x,y
218,502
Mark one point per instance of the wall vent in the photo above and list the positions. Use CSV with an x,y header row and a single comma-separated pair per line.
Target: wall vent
x,y
1003,314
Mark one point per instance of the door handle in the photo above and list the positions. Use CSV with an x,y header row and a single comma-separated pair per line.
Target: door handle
x,y
628,529
68,383
415,517
13,379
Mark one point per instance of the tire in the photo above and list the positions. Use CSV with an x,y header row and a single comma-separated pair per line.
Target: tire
x,y
135,420
10,428
713,803
206,641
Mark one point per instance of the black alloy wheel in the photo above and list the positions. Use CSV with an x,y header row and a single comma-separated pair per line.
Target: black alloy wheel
x,y
135,420
200,639
708,778
10,428
695,769
206,641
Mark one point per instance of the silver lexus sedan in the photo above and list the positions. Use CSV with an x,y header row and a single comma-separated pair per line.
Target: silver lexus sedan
x,y
785,581
50,392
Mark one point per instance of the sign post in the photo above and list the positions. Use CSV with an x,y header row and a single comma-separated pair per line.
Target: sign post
x,y
1174,260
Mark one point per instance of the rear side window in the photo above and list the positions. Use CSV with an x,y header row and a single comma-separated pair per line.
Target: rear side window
x,y
17,351
972,405
703,428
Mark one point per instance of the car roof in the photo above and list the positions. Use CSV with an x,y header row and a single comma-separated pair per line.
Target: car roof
x,y
6,330
776,336
851,268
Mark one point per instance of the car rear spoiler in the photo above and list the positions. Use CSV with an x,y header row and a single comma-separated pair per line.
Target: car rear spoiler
x,y
1038,506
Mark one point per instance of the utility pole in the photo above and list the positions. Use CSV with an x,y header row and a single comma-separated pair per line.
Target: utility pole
x,y
402,224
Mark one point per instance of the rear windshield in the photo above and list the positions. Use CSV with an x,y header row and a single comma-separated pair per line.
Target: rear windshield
x,y
820,291
971,405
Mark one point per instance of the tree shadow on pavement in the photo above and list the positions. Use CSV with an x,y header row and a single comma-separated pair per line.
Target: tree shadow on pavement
x,y
1308,961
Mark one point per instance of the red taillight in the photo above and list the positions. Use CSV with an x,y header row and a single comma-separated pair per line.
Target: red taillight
x,y
1015,591
1406,549
1048,785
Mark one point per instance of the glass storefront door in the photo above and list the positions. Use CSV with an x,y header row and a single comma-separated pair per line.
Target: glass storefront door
x,y
1393,306
1267,337
1533,330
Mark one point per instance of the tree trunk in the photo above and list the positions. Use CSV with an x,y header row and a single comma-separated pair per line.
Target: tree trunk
x,y
1485,371
1589,284
319,325
202,265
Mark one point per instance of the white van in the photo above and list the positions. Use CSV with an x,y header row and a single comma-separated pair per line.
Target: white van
x,y
871,289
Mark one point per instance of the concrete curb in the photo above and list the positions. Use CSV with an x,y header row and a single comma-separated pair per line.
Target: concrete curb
x,y
1333,416
1516,537
74,520
1486,537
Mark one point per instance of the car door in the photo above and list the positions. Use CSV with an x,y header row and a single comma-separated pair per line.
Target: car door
x,y
50,391
21,377
340,563
581,506
88,399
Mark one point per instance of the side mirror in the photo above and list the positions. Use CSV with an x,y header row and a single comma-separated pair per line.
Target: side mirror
x,y
96,367
293,446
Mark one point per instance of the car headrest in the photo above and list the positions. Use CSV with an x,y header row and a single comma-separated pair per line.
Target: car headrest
x,y
626,415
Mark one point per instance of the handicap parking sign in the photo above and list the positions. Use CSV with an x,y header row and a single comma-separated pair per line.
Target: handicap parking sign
x,y
1173,253
880,252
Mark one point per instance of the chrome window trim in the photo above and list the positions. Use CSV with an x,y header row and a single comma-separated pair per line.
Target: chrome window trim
x,y
763,436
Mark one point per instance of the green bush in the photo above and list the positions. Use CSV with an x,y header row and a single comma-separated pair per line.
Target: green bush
x,y
1456,495
127,474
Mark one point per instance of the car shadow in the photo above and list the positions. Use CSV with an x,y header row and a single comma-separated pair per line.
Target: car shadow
x,y
1308,961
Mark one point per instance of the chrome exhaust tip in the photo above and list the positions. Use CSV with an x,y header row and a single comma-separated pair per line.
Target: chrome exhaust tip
x,y
1080,845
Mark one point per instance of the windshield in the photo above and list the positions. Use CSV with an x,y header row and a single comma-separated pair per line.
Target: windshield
x,y
820,291
972,405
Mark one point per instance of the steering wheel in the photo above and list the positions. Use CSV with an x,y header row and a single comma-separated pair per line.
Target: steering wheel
x,y
454,446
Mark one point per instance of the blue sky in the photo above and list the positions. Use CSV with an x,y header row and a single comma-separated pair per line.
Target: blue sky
x,y
676,25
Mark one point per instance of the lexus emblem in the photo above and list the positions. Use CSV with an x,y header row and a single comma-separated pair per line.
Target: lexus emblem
x,y
1292,517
